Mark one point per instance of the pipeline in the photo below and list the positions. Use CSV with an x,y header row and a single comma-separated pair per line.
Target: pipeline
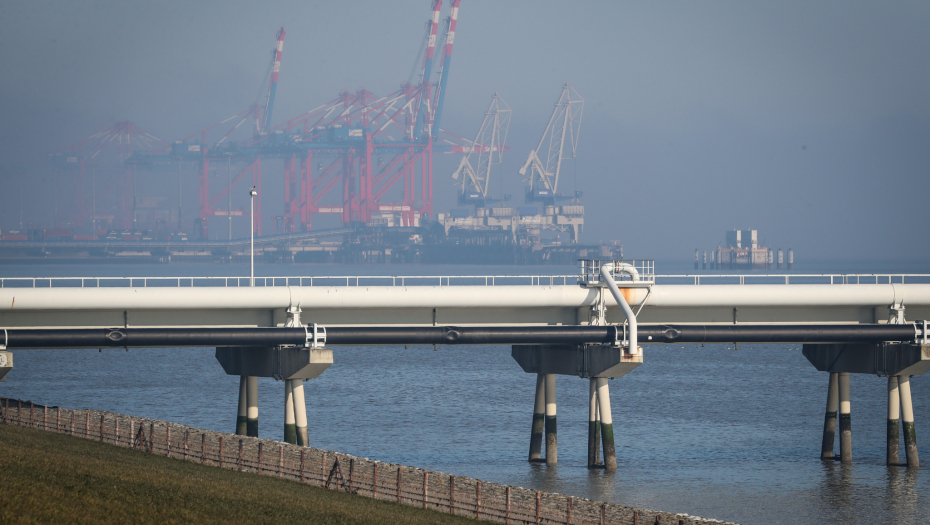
x,y
632,348
461,335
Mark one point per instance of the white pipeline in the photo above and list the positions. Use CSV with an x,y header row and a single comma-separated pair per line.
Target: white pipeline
x,y
633,349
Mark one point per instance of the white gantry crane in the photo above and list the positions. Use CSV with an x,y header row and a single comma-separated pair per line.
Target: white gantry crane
x,y
486,150
565,124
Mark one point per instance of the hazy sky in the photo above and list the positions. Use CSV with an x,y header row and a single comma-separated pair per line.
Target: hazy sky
x,y
809,121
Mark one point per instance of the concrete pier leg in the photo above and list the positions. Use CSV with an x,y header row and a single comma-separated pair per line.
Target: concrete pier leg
x,y
907,421
552,441
607,424
252,409
243,415
539,419
894,429
594,426
845,419
300,412
290,427
829,420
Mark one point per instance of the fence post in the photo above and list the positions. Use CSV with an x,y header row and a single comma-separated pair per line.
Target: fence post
x,y
451,494
260,451
45,417
32,409
187,434
478,500
116,430
603,514
568,512
203,447
168,441
302,465
151,438
221,451
538,509
57,421
398,485
239,458
374,481
101,428
86,424
132,431
280,460
425,488
19,412
351,473
323,468
507,516
635,517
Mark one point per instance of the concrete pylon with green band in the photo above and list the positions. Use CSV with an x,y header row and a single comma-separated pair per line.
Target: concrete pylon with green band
x,y
552,440
252,406
845,419
894,428
243,414
907,422
300,412
594,426
539,419
290,428
829,420
607,424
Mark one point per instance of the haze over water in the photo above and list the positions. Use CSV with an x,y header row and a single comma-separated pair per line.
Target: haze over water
x,y
713,431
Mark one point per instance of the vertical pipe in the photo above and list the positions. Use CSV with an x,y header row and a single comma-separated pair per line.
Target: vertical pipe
x,y
290,428
607,424
594,427
252,402
539,419
243,416
907,420
552,447
894,427
845,419
829,420
300,412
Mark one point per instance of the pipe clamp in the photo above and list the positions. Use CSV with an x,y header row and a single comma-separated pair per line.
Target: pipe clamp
x,y
317,339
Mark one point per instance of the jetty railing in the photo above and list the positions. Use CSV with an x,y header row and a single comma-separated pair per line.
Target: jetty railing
x,y
457,495
452,280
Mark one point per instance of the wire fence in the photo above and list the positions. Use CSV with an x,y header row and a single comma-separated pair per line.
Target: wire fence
x,y
457,495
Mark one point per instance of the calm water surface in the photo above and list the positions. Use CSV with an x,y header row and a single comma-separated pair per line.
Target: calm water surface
x,y
719,432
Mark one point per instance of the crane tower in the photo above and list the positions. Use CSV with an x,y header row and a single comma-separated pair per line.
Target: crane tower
x,y
564,124
486,150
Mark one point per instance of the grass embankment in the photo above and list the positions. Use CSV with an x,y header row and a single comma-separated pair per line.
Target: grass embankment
x,y
47,477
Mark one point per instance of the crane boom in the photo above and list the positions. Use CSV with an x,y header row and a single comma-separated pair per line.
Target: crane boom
x,y
444,66
423,111
565,122
276,67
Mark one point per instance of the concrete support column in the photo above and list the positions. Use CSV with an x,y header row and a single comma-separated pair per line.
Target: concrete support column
x,y
552,441
243,416
251,389
607,424
594,426
300,412
290,428
539,419
894,429
845,419
829,420
907,420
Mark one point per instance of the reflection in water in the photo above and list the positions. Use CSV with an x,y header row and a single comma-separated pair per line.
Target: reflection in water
x,y
901,496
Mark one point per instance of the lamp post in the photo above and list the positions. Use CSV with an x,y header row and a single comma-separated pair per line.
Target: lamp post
x,y
252,194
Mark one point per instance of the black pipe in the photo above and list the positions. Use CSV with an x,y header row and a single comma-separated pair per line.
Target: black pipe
x,y
461,335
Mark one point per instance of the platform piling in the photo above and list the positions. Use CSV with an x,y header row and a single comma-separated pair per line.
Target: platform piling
x,y
845,419
552,441
907,422
539,419
290,427
829,420
252,402
594,426
894,427
243,415
300,412
607,425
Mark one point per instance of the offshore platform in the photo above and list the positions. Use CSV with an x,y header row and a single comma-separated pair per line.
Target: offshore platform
x,y
361,164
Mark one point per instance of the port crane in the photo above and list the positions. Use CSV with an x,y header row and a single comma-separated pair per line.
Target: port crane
x,y
487,149
564,124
